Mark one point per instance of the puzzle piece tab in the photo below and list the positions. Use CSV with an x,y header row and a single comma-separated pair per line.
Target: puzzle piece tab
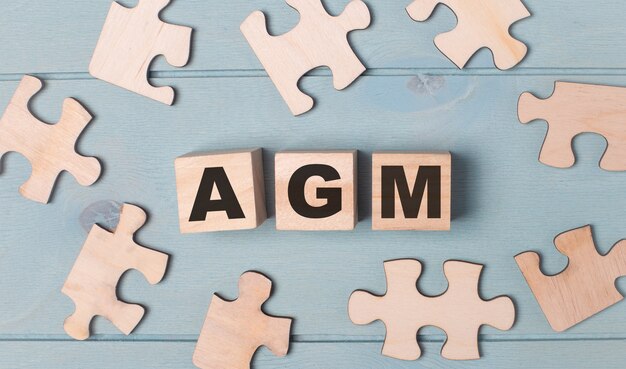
x,y
576,108
105,257
460,311
318,40
584,288
481,23
50,148
234,330
131,39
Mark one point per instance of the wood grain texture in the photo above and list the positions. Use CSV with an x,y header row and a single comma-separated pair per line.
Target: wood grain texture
x,y
104,258
320,199
409,211
481,23
392,41
490,225
238,183
576,108
130,40
584,288
49,148
460,311
333,355
411,98
319,39
234,330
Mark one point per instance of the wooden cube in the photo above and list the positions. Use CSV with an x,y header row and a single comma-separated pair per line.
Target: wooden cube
x,y
220,191
316,191
411,191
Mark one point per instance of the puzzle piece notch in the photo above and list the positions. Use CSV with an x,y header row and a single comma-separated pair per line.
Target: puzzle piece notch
x,y
131,39
576,108
584,288
50,148
481,23
318,40
104,258
460,311
234,330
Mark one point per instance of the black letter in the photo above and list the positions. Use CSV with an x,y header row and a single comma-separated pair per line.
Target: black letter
x,y
426,175
332,195
228,200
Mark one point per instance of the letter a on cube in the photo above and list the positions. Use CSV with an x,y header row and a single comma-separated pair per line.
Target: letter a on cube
x,y
411,191
316,191
220,191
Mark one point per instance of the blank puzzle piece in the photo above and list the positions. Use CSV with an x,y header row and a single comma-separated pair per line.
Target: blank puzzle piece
x,y
50,148
131,39
584,288
576,108
234,330
481,23
104,258
460,311
318,40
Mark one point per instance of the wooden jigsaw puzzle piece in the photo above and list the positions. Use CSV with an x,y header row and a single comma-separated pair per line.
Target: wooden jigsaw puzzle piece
x,y
460,311
255,290
338,55
285,77
50,148
318,40
576,108
584,288
557,147
392,309
131,39
152,264
105,257
234,330
348,68
481,23
421,10
123,316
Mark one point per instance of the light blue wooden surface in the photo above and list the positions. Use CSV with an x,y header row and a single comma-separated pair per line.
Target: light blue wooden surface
x,y
412,98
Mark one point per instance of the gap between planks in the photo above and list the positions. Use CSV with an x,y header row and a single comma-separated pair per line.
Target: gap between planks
x,y
318,338
373,72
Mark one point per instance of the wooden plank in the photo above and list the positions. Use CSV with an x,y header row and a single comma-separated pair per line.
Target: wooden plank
x,y
504,201
69,30
544,354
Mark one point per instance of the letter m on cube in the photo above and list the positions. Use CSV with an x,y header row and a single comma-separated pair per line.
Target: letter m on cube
x,y
411,191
